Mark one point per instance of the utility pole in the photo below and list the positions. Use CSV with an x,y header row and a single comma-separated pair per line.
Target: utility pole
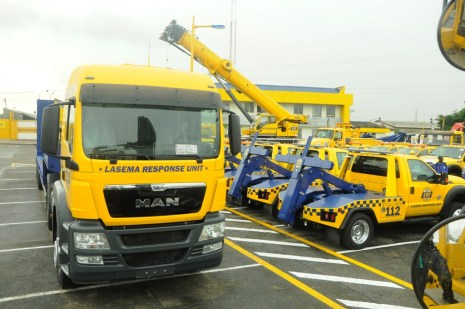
x,y
232,33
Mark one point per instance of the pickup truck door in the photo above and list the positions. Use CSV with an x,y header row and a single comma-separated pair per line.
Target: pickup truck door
x,y
425,196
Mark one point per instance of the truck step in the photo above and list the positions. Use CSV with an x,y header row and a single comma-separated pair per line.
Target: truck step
x,y
422,219
64,248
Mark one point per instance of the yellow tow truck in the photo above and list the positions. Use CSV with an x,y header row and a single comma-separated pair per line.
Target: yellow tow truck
x,y
372,188
342,134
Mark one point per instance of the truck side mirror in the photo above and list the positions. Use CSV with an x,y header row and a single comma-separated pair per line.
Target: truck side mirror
x,y
438,265
234,133
50,130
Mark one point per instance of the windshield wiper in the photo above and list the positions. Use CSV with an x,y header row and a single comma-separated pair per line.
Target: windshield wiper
x,y
114,156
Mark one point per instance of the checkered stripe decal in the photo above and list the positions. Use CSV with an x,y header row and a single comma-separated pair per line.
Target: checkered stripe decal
x,y
255,192
357,204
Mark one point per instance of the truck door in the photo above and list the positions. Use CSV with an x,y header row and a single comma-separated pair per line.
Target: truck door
x,y
425,196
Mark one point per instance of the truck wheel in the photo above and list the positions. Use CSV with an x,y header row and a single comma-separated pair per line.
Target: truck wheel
x,y
455,209
51,178
358,231
39,183
299,222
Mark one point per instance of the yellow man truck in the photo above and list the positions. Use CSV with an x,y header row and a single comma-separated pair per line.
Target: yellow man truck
x,y
372,188
140,190
280,123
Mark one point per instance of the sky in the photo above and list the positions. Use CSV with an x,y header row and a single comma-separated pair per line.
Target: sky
x,y
384,52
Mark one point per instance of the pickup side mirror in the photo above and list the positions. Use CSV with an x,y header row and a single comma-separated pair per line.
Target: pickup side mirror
x,y
234,133
438,265
50,132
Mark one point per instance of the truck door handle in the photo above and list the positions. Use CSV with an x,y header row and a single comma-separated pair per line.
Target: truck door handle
x,y
412,190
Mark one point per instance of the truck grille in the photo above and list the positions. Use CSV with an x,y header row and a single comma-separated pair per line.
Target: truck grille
x,y
154,200
154,238
153,258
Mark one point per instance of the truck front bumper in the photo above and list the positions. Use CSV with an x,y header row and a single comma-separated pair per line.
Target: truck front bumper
x,y
144,252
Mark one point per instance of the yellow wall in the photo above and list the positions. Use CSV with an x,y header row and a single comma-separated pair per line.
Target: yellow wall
x,y
302,97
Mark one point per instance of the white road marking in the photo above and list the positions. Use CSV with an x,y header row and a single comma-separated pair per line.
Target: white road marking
x,y
8,189
97,286
12,179
225,212
25,248
239,207
366,305
301,258
21,223
238,220
271,242
22,164
27,202
381,247
346,280
250,230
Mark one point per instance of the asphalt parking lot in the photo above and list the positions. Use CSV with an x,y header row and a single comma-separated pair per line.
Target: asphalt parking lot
x,y
265,264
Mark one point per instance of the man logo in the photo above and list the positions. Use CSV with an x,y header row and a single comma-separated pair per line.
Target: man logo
x,y
157,202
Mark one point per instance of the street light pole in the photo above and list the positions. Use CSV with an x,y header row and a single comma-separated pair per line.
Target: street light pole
x,y
193,36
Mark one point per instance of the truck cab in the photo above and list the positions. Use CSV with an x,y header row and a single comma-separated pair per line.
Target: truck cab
x,y
140,186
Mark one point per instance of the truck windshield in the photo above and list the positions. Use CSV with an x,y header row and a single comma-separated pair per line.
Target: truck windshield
x,y
325,134
451,152
149,132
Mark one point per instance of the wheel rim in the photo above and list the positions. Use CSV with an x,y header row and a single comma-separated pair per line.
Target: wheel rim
x,y
360,231
457,212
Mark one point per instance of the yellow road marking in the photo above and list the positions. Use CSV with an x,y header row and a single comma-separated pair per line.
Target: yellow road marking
x,y
324,249
284,275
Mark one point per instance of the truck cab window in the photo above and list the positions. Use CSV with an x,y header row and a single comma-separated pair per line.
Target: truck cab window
x,y
420,171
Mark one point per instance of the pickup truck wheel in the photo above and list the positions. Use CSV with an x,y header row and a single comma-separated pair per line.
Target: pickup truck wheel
x,y
358,231
455,209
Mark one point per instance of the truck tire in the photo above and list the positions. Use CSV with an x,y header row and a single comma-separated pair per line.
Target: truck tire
x,y
358,231
455,209
51,178
39,183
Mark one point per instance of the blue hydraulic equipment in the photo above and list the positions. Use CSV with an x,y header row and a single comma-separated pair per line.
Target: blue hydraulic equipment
x,y
307,170
254,159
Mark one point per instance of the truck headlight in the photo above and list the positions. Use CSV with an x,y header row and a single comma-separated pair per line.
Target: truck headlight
x,y
90,241
212,231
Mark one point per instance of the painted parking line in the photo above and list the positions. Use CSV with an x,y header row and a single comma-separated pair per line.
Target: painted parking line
x,y
328,251
21,223
228,228
301,258
22,164
367,305
25,249
345,280
27,202
381,247
17,179
269,242
238,220
98,286
294,281
9,189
